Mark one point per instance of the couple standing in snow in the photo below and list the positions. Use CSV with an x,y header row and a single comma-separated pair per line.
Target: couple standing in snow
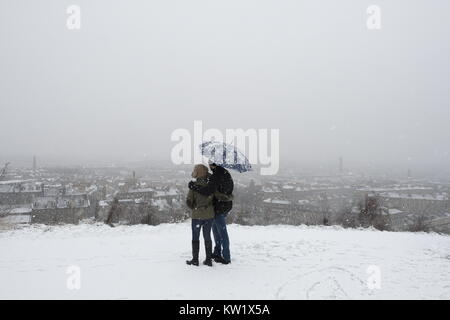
x,y
210,199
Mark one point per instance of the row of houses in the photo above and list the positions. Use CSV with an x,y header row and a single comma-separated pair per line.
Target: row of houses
x,y
59,203
400,206
144,205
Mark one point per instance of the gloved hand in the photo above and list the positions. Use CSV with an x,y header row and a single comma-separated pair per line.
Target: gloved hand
x,y
191,185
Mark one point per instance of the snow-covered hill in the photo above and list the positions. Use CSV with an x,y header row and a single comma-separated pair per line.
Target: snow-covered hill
x,y
274,262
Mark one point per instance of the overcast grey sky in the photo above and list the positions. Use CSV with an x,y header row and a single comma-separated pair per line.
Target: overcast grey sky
x,y
137,70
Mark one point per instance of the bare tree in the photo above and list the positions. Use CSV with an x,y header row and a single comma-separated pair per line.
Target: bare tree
x,y
419,224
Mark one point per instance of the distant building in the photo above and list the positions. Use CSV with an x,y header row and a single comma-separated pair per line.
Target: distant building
x,y
65,209
143,193
416,203
16,192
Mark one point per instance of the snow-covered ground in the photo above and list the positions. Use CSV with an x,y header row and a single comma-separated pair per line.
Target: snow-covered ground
x,y
275,262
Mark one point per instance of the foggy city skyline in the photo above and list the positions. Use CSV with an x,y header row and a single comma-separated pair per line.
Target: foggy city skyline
x,y
232,156
116,89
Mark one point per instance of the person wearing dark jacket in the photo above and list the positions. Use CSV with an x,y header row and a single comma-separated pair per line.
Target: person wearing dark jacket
x,y
202,216
219,186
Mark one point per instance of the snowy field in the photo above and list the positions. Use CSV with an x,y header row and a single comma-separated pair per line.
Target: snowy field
x,y
275,262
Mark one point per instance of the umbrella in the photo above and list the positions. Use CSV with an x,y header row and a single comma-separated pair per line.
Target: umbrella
x,y
225,155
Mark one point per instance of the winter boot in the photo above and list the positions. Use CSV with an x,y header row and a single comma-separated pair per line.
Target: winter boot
x,y
208,251
195,250
221,260
215,256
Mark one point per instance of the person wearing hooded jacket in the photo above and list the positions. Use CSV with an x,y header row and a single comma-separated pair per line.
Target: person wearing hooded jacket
x,y
220,185
202,216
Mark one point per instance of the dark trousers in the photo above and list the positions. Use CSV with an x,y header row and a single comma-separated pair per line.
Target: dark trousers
x,y
222,242
206,225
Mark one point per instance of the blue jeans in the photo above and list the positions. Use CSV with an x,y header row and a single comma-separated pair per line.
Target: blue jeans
x,y
221,237
204,224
